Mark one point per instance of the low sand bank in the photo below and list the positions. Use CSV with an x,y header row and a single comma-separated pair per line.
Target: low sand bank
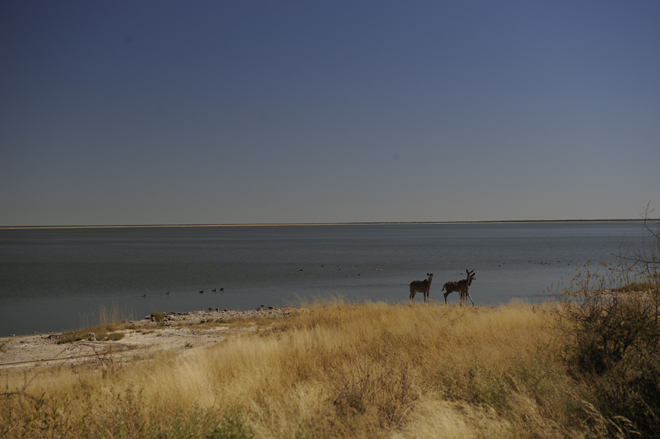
x,y
179,332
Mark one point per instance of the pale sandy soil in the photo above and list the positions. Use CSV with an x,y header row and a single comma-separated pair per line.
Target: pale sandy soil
x,y
147,338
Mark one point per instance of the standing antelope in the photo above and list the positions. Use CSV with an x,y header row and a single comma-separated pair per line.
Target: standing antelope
x,y
421,286
462,286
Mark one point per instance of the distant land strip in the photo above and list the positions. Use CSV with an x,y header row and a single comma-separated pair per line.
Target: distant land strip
x,y
357,223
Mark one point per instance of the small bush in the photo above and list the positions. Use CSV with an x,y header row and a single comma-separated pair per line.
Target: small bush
x,y
115,336
158,316
71,336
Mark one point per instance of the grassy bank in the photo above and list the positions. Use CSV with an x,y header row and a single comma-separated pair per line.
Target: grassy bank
x,y
334,370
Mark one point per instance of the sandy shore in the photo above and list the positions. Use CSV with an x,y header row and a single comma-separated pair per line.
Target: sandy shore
x,y
180,333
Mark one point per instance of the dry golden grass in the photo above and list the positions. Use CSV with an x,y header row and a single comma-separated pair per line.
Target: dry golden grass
x,y
333,370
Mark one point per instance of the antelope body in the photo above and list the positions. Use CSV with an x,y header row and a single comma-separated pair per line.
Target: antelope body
x,y
421,286
462,286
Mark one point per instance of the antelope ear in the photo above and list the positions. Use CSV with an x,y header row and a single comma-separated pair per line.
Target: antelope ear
x,y
467,271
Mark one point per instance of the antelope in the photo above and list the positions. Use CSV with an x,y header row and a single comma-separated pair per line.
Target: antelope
x,y
421,286
462,286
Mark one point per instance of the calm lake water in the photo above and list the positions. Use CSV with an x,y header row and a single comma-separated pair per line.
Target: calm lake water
x,y
56,279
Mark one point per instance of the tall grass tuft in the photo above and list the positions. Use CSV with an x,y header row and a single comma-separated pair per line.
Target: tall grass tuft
x,y
102,323
106,317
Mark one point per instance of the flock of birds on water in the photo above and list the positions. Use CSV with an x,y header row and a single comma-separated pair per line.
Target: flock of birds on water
x,y
380,269
214,290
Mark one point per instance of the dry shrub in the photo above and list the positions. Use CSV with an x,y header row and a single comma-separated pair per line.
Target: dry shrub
x,y
609,318
158,316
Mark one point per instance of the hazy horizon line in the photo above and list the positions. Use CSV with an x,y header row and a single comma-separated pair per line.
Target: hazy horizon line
x,y
349,223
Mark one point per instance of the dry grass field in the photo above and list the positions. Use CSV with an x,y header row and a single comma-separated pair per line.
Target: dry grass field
x,y
329,370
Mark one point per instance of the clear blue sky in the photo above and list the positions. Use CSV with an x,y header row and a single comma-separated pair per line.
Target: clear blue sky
x,y
135,112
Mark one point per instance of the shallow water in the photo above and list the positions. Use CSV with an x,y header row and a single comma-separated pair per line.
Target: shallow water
x,y
56,279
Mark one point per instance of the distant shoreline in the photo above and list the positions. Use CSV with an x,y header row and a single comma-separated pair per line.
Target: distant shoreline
x,y
364,223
